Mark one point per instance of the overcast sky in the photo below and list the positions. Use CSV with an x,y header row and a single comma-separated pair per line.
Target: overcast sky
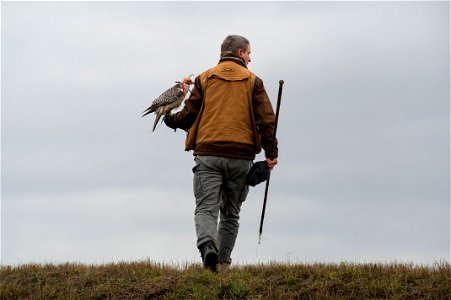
x,y
364,130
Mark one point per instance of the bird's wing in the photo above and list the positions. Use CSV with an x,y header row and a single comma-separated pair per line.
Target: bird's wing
x,y
168,96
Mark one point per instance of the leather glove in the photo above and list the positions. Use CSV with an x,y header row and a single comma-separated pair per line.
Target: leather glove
x,y
171,121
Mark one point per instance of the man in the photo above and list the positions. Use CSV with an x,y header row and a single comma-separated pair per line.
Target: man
x,y
229,118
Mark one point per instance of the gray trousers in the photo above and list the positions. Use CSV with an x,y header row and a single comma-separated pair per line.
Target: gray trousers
x,y
219,187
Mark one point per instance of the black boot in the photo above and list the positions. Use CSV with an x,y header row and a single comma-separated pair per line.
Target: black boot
x,y
209,256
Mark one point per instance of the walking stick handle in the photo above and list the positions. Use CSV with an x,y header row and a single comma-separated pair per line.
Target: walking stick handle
x,y
279,98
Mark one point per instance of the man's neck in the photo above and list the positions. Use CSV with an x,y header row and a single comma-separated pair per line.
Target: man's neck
x,y
229,55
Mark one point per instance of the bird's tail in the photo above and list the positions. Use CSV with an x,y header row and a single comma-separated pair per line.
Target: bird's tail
x,y
155,123
146,112
157,118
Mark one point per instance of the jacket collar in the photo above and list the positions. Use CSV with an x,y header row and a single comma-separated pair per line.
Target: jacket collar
x,y
229,55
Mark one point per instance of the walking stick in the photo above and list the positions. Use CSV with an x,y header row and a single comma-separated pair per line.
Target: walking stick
x,y
279,98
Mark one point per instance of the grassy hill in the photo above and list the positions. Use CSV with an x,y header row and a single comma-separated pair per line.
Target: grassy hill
x,y
149,280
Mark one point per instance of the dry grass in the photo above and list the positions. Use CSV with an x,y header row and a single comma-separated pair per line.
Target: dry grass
x,y
149,280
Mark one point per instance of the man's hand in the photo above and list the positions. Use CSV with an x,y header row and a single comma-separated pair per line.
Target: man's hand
x,y
171,121
271,163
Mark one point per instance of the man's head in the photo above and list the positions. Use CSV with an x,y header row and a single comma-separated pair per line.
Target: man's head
x,y
238,45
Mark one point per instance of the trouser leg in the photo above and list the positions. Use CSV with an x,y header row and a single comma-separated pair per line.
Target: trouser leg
x,y
207,190
233,193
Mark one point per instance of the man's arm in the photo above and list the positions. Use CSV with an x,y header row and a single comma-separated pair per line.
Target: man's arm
x,y
265,120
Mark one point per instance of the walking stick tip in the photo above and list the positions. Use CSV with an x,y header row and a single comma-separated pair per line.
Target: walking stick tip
x,y
281,81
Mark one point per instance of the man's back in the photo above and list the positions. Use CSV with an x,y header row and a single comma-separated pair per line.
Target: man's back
x,y
226,115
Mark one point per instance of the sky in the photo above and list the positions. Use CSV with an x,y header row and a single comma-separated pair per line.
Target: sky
x,y
364,130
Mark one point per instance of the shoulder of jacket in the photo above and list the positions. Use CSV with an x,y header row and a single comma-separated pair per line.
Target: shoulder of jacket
x,y
230,70
203,77
238,72
258,81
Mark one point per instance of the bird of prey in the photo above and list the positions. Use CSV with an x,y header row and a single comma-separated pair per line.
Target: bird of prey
x,y
171,99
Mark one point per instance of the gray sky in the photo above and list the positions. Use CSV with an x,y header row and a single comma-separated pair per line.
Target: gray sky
x,y
363,173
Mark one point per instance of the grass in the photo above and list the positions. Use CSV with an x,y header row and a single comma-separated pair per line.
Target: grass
x,y
149,280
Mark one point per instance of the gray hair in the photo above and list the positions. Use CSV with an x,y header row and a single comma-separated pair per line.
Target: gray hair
x,y
233,43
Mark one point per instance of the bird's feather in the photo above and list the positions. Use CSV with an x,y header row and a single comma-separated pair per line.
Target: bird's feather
x,y
168,96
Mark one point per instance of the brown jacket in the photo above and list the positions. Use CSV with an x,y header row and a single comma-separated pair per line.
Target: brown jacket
x,y
228,113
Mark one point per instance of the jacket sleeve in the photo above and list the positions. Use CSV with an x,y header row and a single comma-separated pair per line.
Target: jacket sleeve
x,y
264,118
188,114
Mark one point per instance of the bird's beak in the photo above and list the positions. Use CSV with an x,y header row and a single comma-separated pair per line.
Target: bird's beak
x,y
190,80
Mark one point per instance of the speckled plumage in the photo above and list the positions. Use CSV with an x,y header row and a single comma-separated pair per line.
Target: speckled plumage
x,y
171,99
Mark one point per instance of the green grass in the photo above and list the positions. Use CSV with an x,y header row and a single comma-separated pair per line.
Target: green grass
x,y
149,280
